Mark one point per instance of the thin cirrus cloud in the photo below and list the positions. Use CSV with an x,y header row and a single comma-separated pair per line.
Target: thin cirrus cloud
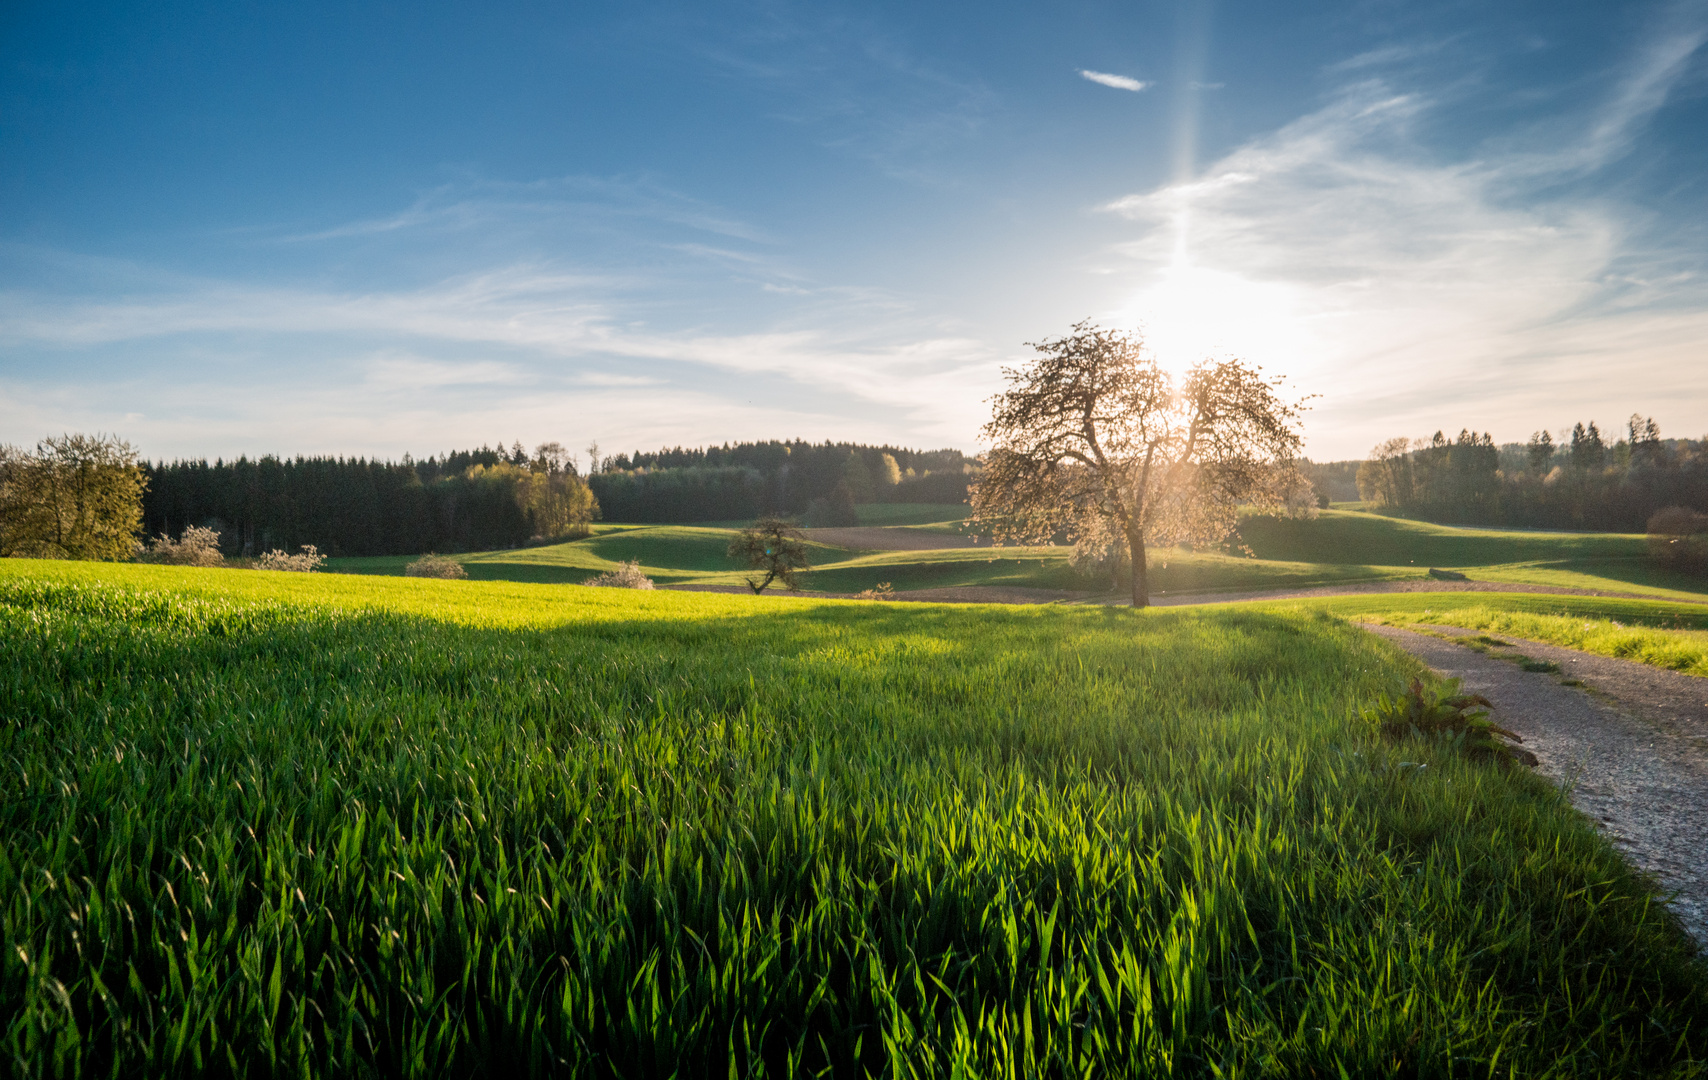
x,y
1118,82
1418,293
569,349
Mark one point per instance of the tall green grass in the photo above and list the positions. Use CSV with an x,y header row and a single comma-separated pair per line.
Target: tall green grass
x,y
1676,649
265,823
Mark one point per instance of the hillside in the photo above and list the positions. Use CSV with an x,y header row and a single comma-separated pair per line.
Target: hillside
x,y
1337,548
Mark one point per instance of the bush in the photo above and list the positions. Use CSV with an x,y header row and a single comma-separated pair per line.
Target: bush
x,y
435,566
1678,537
626,576
306,562
1448,716
196,547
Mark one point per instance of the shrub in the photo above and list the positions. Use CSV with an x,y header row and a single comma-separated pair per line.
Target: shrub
x,y
883,590
626,576
435,566
308,560
1448,716
197,546
1678,537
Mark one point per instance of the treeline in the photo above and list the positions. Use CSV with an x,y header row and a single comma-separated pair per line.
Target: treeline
x,y
818,481
1578,482
472,500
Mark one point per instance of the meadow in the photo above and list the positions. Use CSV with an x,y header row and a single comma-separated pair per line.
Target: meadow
x,y
1337,548
259,823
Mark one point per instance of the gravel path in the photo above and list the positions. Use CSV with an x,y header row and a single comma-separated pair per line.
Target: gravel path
x,y
1632,743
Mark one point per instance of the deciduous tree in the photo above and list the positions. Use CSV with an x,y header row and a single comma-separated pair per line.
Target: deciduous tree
x,y
74,497
1095,436
773,545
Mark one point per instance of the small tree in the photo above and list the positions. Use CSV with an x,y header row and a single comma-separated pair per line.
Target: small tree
x,y
1093,435
75,497
773,545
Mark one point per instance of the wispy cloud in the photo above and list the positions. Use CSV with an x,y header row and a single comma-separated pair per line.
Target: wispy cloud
x,y
1118,82
858,85
1418,292
503,339
486,204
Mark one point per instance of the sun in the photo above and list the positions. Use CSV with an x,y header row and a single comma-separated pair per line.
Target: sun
x,y
1191,313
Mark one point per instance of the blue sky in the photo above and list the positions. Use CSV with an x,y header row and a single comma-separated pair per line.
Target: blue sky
x,y
378,228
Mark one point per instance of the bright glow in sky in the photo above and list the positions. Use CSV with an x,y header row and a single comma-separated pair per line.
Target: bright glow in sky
x,y
363,229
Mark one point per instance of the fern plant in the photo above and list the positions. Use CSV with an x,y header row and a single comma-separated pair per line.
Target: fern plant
x,y
1446,715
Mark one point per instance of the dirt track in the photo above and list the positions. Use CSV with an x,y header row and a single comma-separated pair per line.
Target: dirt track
x,y
1632,748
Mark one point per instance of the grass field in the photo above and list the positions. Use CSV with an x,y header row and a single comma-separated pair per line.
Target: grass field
x,y
1654,632
267,823
1339,547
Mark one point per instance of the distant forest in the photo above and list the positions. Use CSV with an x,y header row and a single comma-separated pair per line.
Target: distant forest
x,y
1580,482
494,498
469,500
742,480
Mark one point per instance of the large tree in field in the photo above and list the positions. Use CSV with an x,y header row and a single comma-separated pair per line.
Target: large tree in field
x,y
1094,439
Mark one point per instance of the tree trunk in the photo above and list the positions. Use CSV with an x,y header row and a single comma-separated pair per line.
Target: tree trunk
x,y
1141,572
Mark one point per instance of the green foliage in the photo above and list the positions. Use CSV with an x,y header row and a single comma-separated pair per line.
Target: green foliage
x,y
738,482
775,547
835,511
322,825
465,501
1442,714
73,497
1588,485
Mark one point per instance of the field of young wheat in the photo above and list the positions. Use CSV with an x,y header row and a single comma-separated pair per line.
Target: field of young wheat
x,y
263,823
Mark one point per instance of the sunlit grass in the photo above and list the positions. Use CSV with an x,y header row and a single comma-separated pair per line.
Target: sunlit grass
x,y
1678,650
332,825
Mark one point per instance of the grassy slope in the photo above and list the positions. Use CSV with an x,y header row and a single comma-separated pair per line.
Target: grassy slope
x,y
424,826
1612,561
1668,635
1338,547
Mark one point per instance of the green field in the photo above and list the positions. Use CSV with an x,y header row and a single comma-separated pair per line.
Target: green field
x,y
1338,547
1655,632
268,823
